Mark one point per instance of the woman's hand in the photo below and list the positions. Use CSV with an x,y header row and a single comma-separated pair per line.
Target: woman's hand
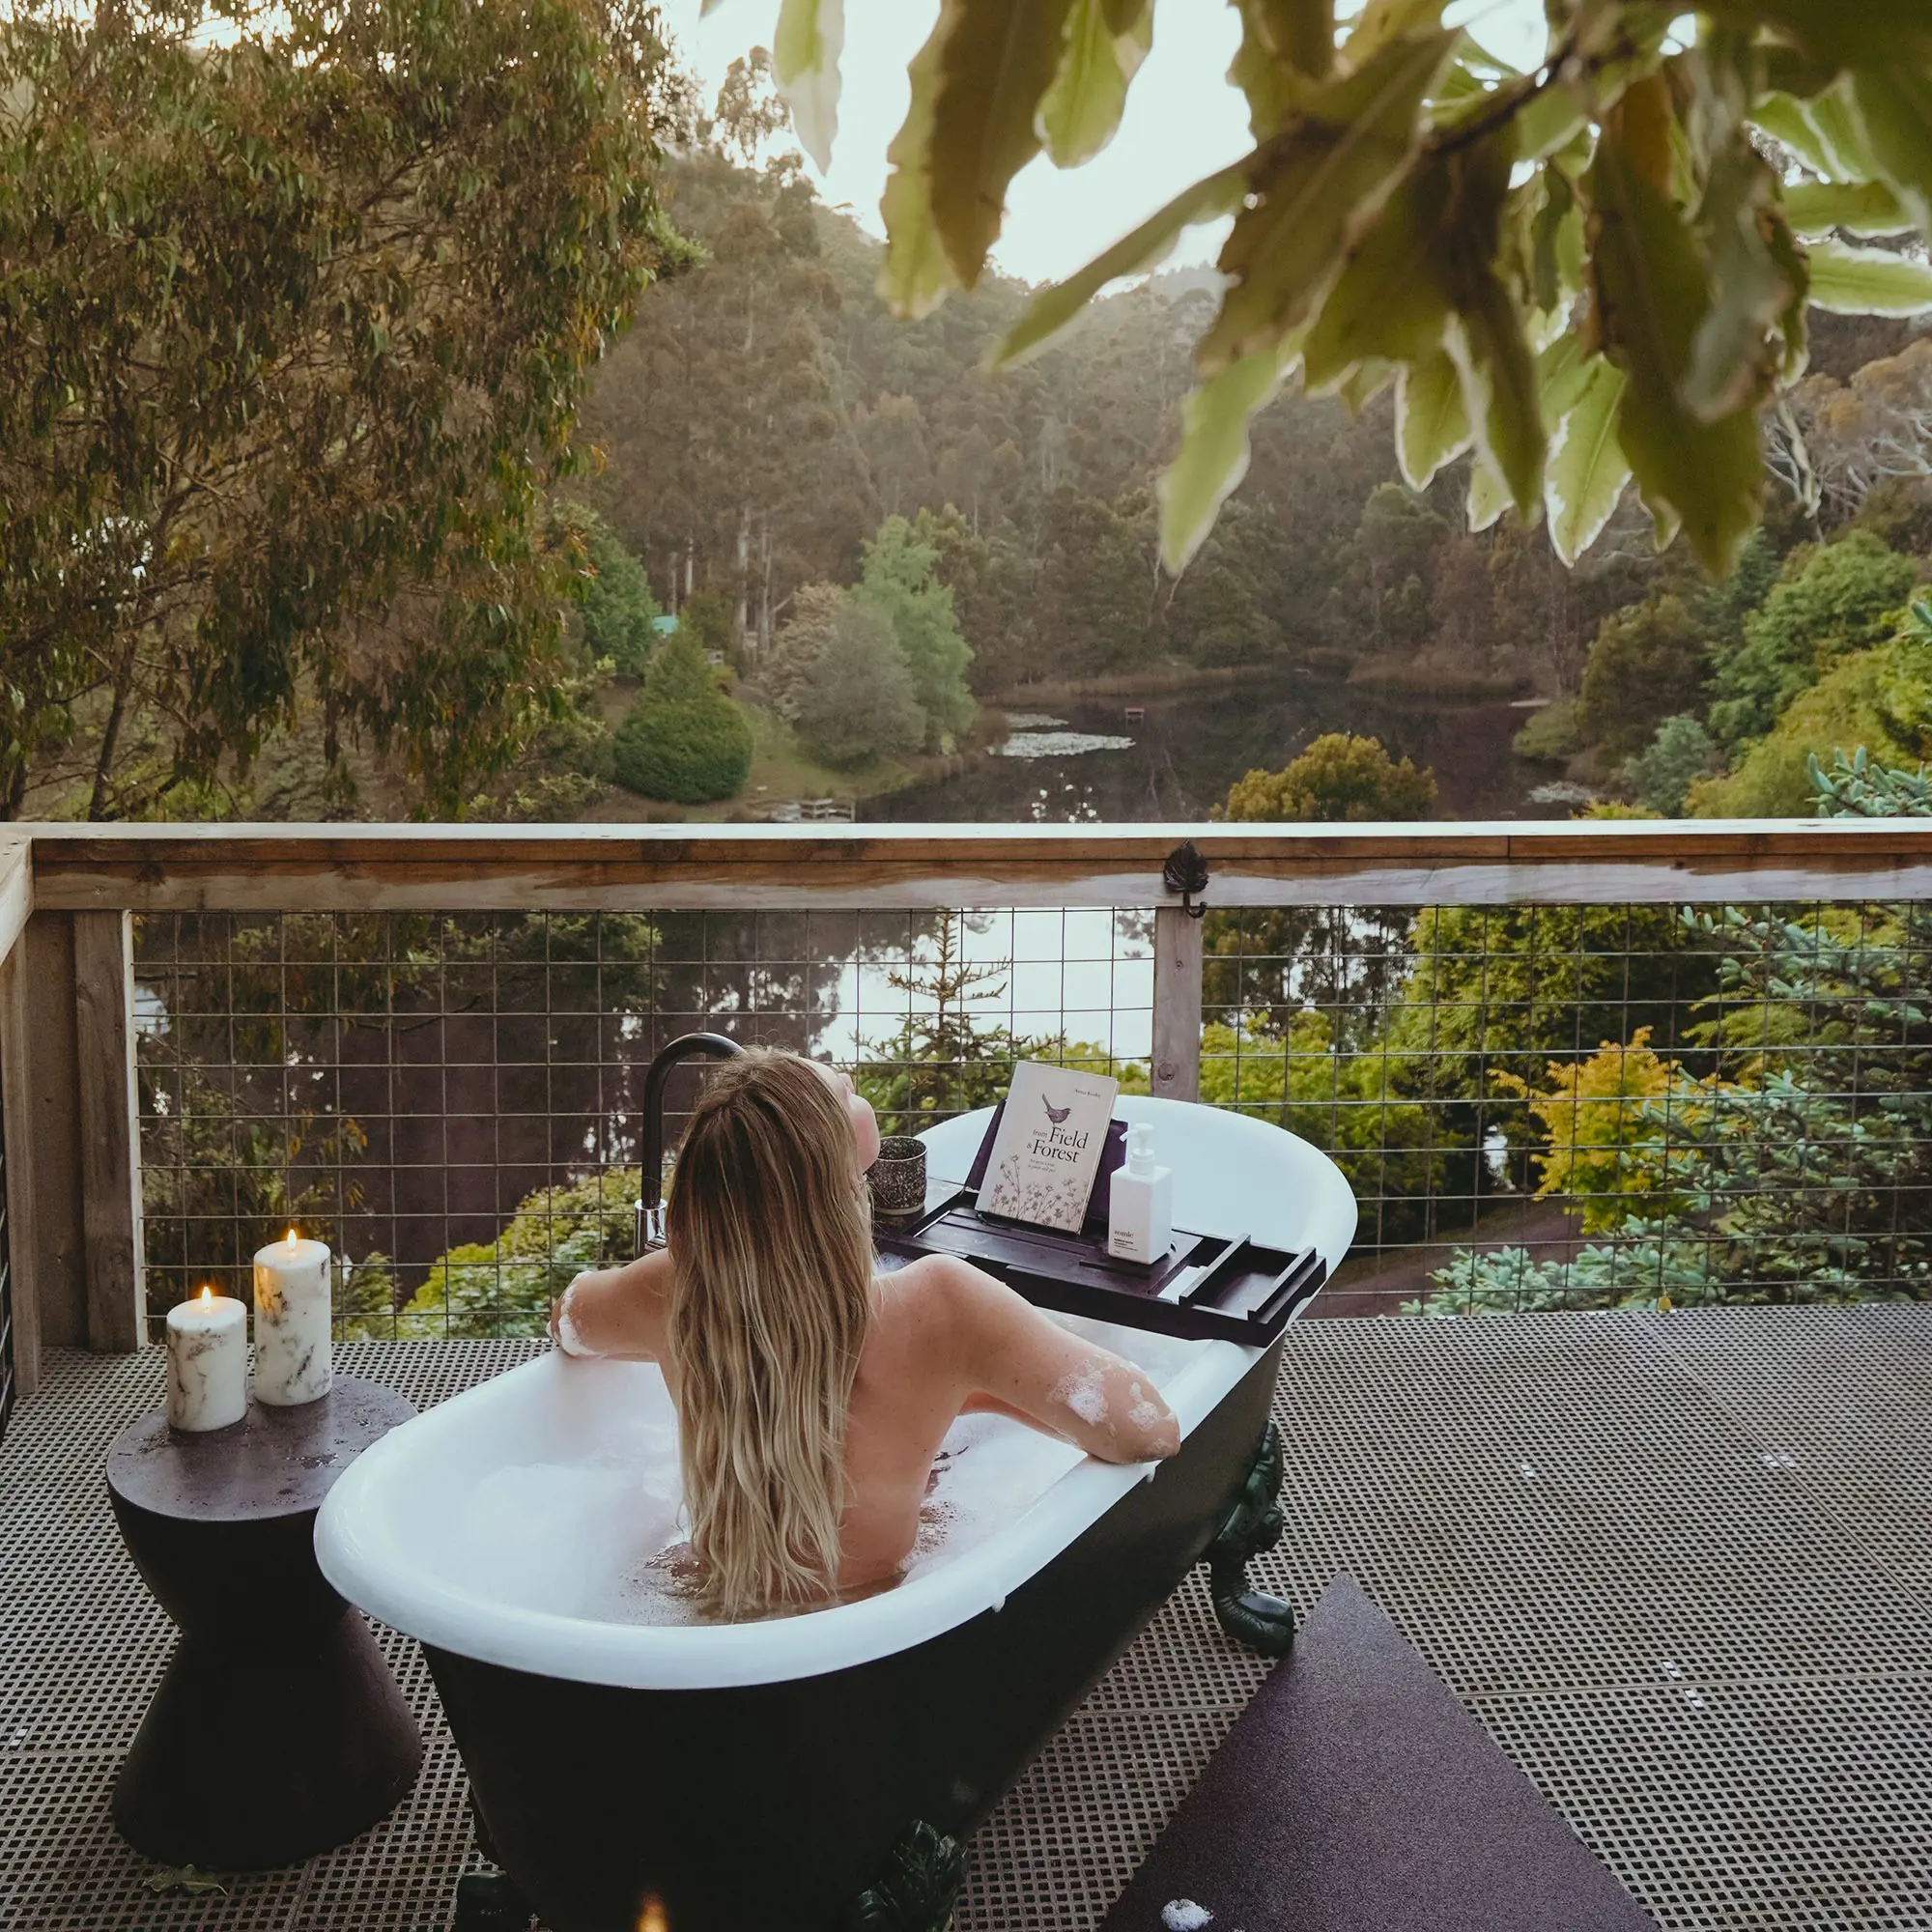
x,y
563,1329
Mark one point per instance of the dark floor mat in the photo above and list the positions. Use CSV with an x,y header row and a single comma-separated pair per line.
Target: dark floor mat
x,y
1357,1795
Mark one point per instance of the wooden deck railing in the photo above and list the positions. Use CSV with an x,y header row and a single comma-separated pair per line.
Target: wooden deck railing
x,y
68,892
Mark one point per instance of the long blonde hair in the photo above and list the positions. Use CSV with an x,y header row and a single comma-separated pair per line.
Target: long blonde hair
x,y
770,1229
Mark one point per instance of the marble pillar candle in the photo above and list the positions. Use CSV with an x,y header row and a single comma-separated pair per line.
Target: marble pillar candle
x,y
207,1362
292,1321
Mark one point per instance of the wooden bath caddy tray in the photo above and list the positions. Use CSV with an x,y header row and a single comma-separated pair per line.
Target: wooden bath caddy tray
x,y
1217,1287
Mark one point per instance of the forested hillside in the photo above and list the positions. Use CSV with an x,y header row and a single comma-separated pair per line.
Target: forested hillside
x,y
765,418
393,582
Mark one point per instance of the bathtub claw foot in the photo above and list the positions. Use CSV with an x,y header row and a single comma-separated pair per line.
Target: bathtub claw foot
x,y
1252,1527
490,1902
918,1888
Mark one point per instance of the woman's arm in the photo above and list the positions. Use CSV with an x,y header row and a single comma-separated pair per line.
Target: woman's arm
x,y
1018,1363
616,1312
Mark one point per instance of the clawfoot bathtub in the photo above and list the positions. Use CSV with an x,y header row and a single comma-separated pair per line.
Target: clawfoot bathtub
x,y
816,1773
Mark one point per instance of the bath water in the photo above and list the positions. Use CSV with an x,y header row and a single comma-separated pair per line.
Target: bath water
x,y
600,1537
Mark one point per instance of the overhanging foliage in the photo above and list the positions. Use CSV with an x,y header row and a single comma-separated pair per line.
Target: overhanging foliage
x,y
1590,273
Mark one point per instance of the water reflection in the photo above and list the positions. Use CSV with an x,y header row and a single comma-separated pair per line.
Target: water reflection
x,y
1087,762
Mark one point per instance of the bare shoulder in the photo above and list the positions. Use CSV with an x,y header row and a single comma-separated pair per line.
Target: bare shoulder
x,y
941,1290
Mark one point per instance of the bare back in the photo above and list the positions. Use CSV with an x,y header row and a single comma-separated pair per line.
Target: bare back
x,y
944,1339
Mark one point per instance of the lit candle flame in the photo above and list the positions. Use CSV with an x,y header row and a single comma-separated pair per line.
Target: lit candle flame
x,y
206,1297
652,1917
291,1238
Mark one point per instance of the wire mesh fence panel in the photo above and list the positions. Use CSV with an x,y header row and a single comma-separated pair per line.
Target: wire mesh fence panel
x,y
452,1100
1537,1106
1567,1106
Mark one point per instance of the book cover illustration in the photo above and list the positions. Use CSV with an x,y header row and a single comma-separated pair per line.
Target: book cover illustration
x,y
1047,1155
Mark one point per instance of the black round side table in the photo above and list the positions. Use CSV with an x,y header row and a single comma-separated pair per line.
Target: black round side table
x,y
277,1730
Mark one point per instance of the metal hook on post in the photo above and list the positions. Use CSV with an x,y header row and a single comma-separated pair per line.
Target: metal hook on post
x,y
1186,872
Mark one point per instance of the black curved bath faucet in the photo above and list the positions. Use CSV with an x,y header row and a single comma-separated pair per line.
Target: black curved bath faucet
x,y
687,1046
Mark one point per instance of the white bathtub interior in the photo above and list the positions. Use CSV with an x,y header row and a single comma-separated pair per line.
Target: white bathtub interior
x,y
570,1508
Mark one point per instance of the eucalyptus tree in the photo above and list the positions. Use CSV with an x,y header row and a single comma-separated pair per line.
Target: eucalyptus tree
x,y
296,307
1589,275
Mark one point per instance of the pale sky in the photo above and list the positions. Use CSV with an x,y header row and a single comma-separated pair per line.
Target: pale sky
x,y
1183,119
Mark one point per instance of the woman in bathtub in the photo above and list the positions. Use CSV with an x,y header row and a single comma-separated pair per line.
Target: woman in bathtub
x,y
812,1394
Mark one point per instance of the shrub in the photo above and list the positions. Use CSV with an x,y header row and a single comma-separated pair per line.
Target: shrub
x,y
618,607
1681,754
859,701
506,1287
1552,735
683,739
1878,700
1835,601
1338,779
1648,662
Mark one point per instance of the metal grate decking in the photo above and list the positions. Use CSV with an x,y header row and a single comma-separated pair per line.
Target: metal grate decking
x,y
8,1383
1680,1566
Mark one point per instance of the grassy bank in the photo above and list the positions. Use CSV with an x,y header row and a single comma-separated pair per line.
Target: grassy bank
x,y
780,771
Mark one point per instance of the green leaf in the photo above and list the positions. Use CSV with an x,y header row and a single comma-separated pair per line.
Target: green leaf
x,y
1782,118
1557,240
1550,121
1314,187
1587,471
182,1878
997,59
1868,281
1734,360
1299,33
1843,32
1133,254
1489,496
1274,89
1383,21
1846,148
1431,425
1386,303
805,46
1214,447
916,274
1861,207
1894,109
1651,296
1562,374
1490,351
1364,382
1082,110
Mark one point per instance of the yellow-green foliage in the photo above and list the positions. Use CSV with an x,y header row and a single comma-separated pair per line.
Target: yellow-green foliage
x,y
1881,700
1342,1102
1607,1129
1338,779
505,1288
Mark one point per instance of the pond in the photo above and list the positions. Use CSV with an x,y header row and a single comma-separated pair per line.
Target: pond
x,y
1085,761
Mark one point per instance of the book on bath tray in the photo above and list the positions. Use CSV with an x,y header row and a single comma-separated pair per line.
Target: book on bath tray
x,y
1047,1144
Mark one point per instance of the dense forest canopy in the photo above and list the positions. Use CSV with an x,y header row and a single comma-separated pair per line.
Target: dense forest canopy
x,y
1590,272
1034,489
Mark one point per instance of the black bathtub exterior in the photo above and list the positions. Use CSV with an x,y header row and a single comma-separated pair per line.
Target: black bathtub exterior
x,y
770,1807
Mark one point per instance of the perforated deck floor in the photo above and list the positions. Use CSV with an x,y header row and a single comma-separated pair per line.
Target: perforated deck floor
x,y
1680,1566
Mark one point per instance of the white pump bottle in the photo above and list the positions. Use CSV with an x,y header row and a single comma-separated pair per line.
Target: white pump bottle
x,y
1140,1207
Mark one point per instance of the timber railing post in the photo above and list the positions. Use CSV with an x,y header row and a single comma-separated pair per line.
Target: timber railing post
x,y
1177,1004
39,1061
110,1130
22,1312
74,1167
